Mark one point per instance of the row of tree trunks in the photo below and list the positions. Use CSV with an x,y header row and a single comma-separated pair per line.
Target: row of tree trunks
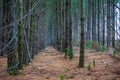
x,y
21,39
33,32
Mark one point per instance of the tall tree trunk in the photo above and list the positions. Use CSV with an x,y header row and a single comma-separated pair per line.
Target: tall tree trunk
x,y
103,23
3,24
32,31
55,26
89,21
81,58
108,24
94,21
63,25
68,28
113,25
27,54
98,21
20,37
12,57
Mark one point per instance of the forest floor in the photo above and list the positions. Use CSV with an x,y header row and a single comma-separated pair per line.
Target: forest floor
x,y
49,64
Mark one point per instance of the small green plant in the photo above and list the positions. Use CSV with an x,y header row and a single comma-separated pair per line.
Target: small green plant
x,y
89,67
103,48
107,66
62,77
115,53
89,44
69,53
14,72
94,63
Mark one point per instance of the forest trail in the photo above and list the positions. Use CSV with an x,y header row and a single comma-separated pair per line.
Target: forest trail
x,y
49,64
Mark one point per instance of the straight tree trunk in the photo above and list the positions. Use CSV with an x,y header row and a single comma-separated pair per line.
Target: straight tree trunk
x,y
20,37
63,24
108,24
103,24
12,64
26,50
81,58
113,25
98,21
68,29
32,31
89,21
94,21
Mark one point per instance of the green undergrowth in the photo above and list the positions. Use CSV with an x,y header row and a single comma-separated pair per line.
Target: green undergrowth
x,y
69,53
96,46
103,48
14,72
115,52
89,44
62,76
89,67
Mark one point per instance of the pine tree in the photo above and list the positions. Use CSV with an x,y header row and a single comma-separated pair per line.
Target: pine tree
x,y
81,58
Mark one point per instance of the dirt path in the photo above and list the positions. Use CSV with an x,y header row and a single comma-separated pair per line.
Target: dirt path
x,y
49,65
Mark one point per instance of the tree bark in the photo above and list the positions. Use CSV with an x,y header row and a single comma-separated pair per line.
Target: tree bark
x,y
81,58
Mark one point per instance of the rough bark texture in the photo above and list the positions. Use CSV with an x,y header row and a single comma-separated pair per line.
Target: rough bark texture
x,y
11,51
81,59
68,28
94,21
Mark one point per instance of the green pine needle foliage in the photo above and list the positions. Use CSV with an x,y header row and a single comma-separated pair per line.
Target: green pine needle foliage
x,y
89,44
14,72
89,67
103,48
69,53
115,52
62,77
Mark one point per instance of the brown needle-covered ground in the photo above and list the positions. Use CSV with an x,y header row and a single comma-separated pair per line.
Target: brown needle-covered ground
x,y
49,64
